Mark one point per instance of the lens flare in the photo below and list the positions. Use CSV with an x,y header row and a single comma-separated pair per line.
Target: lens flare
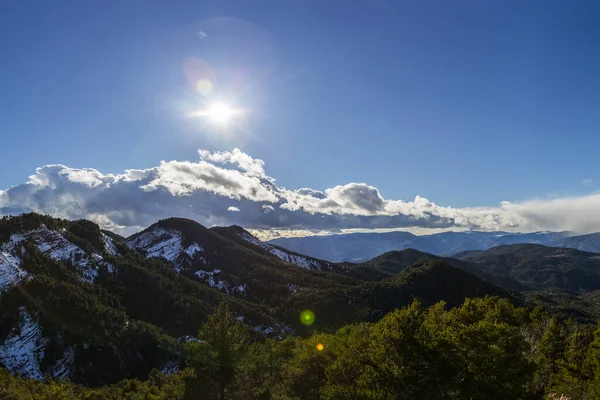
x,y
320,346
307,317
204,87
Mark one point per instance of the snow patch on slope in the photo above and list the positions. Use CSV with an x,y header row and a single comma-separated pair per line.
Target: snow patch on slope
x,y
166,244
159,243
58,248
211,278
193,249
265,330
63,367
109,245
301,261
23,349
11,273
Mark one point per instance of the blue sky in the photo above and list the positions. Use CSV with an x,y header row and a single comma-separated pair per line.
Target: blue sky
x,y
466,103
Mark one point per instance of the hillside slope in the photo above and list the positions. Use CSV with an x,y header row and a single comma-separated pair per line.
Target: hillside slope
x,y
428,281
539,267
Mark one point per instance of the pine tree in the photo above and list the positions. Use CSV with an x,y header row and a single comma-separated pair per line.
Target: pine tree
x,y
224,341
592,364
550,356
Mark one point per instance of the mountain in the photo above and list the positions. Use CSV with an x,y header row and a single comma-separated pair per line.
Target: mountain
x,y
357,247
428,281
351,247
76,303
590,242
243,237
435,280
80,303
539,267
233,261
393,262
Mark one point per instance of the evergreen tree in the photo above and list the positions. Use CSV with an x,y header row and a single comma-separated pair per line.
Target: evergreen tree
x,y
573,378
550,356
593,363
223,343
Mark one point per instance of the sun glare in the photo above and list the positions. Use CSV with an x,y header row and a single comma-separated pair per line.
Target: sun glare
x,y
219,113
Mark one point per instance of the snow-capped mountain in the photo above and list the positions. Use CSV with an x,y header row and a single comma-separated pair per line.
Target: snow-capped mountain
x,y
172,245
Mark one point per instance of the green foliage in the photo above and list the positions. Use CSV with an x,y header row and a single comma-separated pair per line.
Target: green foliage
x,y
158,387
216,357
550,355
484,349
473,351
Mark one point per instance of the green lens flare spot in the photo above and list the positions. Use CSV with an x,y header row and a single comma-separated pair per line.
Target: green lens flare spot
x,y
307,317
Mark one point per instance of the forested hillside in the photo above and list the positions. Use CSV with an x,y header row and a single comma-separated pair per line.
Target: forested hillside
x,y
484,349
182,311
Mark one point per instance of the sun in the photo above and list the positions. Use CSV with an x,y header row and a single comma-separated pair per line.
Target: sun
x,y
219,113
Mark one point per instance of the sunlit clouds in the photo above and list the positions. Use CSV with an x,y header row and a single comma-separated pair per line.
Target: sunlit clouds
x,y
232,187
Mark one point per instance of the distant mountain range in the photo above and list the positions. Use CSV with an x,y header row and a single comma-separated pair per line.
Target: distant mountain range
x,y
358,247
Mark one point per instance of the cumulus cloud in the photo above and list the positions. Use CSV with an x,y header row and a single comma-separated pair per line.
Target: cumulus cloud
x,y
236,157
223,188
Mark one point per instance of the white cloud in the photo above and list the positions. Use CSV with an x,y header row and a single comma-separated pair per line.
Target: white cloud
x,y
183,178
587,181
224,188
237,157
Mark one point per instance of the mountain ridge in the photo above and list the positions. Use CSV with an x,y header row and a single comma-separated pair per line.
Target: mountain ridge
x,y
358,247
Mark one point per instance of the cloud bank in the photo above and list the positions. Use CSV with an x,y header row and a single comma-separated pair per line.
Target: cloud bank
x,y
224,188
